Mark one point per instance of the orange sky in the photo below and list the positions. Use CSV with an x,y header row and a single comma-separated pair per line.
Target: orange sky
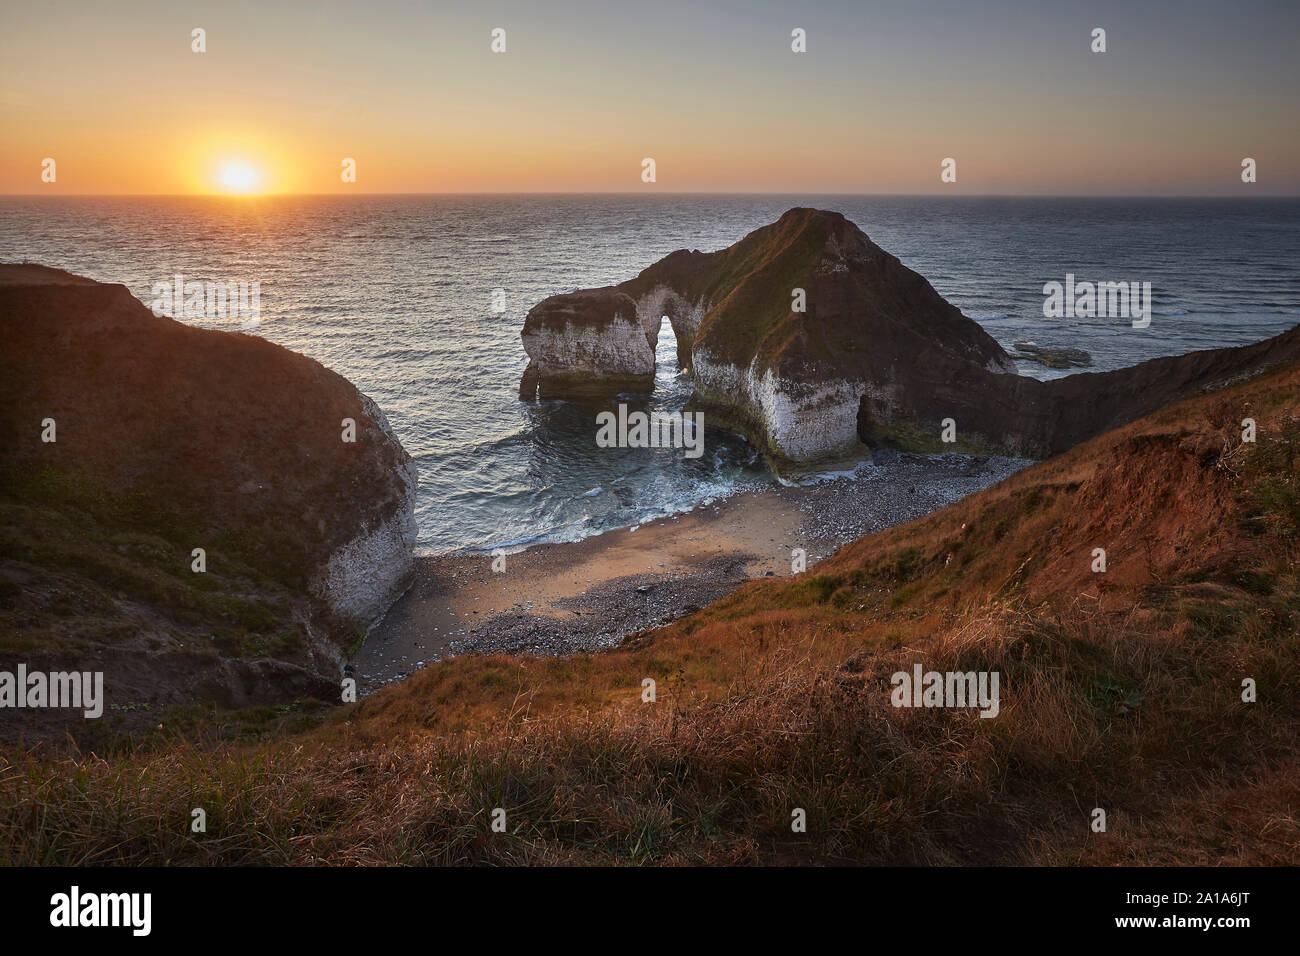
x,y
584,91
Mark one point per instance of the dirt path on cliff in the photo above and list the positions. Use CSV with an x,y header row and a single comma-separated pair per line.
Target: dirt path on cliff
x,y
590,594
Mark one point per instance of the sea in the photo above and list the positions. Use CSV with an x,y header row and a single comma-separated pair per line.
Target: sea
x,y
419,301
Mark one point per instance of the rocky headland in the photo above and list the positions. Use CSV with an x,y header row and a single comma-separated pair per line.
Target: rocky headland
x,y
818,345
131,440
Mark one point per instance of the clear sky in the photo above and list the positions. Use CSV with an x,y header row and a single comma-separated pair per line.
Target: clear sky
x,y
711,90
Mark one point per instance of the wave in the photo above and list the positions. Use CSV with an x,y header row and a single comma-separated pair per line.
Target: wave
x,y
515,545
702,495
520,436
816,478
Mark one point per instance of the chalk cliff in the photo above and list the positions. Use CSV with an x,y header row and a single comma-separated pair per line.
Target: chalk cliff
x,y
169,438
587,342
817,344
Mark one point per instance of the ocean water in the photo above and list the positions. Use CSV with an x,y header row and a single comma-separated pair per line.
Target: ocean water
x,y
396,294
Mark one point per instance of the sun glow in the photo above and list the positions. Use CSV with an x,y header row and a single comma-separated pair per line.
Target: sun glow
x,y
238,177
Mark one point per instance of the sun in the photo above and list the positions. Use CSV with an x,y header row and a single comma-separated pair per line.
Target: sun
x,y
239,177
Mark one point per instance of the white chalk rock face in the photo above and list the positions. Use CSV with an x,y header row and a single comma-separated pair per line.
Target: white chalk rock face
x,y
800,422
587,342
619,348
364,576
684,314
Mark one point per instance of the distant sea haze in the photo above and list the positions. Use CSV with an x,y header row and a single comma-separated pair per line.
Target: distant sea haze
x,y
419,301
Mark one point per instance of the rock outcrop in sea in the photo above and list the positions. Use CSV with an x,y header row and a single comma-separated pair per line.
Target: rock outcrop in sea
x,y
588,342
131,440
1053,356
816,344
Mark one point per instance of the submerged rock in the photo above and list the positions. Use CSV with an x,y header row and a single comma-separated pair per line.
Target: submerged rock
x,y
1053,356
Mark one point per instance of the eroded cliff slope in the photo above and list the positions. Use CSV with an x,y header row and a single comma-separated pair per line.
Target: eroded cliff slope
x,y
167,439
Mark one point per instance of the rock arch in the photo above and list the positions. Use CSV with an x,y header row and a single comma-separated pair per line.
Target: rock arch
x,y
878,357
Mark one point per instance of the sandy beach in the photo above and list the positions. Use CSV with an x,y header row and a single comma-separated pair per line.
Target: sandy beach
x,y
590,594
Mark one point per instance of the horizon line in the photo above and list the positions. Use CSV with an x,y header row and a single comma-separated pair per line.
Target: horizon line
x,y
693,192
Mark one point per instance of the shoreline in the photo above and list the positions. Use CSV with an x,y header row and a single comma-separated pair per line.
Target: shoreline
x,y
571,597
